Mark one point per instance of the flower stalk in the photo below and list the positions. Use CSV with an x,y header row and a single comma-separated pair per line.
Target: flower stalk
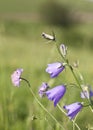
x,y
72,71
41,105
56,93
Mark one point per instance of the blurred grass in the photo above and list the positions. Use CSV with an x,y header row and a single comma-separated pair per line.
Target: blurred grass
x,y
21,46
19,6
34,6
31,52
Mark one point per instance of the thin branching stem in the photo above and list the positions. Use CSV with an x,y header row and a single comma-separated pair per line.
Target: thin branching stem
x,y
74,75
41,103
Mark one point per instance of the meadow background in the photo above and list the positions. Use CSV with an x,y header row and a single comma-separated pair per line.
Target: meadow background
x,y
21,46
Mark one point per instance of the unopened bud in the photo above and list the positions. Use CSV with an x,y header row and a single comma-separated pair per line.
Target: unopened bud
x,y
63,50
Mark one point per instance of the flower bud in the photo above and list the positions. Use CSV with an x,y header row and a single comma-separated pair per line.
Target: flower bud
x,y
48,37
63,50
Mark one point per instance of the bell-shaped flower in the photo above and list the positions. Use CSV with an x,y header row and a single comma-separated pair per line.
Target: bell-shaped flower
x,y
54,69
56,93
73,109
16,77
43,88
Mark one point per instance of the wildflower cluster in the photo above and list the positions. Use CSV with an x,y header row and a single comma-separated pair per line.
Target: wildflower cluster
x,y
56,93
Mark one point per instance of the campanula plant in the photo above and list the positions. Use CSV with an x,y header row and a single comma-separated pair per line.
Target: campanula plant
x,y
57,93
54,69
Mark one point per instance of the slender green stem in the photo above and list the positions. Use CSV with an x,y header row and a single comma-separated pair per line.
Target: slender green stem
x,y
80,87
70,67
60,52
41,104
75,77
91,108
61,109
73,124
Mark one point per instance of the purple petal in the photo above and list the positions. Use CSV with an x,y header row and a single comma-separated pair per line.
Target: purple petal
x,y
91,93
73,109
44,87
56,93
54,69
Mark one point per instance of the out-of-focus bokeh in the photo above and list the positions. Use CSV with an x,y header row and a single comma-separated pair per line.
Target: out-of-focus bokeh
x,y
21,46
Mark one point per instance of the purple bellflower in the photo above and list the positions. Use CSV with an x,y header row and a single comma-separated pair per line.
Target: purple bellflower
x,y
44,87
56,93
16,77
54,69
73,109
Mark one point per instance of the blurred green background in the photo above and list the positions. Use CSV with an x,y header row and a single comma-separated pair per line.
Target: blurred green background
x,y
21,46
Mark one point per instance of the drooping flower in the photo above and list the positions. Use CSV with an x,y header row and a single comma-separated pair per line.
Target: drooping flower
x,y
73,109
44,87
54,69
16,77
56,93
